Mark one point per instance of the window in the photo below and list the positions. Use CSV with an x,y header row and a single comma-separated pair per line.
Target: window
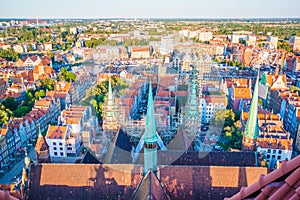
x,y
60,144
55,153
269,150
61,154
268,156
54,143
54,148
274,151
280,151
273,156
279,157
61,148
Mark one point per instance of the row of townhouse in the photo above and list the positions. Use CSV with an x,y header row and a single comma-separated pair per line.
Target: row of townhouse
x,y
278,98
23,48
76,128
21,132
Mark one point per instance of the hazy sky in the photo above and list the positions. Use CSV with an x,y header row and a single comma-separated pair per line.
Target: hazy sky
x,y
150,8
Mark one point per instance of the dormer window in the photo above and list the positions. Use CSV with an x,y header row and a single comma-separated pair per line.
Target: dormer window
x,y
269,144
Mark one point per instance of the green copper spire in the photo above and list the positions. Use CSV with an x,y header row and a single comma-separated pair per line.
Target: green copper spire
x,y
192,118
150,131
150,136
251,129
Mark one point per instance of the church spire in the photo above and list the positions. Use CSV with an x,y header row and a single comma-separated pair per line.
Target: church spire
x,y
42,148
110,113
251,129
192,115
150,132
150,136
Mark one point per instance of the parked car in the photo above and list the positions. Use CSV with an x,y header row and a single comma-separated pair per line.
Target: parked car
x,y
218,148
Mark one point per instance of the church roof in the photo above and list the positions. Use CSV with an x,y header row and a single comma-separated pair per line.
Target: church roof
x,y
116,181
206,182
83,181
180,142
119,151
90,158
150,188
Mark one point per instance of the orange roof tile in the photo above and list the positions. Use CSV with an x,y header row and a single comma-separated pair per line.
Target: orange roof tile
x,y
56,132
283,183
140,49
242,93
3,131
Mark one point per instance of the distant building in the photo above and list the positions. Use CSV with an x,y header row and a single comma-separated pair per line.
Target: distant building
x,y
291,63
210,105
272,42
28,62
205,36
62,143
292,116
3,86
295,43
139,52
166,46
4,155
240,98
73,30
250,40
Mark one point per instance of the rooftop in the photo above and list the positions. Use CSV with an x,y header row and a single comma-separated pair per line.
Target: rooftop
x,y
56,132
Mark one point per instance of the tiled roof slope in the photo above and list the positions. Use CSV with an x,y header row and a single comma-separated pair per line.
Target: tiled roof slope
x,y
283,183
180,142
206,182
150,188
96,181
83,181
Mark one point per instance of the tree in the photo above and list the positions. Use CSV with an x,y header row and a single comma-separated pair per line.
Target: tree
x,y
10,103
64,75
50,54
36,95
9,54
42,93
63,46
5,115
21,111
29,48
47,84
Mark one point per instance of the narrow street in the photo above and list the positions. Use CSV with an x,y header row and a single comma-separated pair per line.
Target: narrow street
x,y
17,169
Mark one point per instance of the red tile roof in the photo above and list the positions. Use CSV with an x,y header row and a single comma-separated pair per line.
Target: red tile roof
x,y
56,132
83,181
242,93
283,183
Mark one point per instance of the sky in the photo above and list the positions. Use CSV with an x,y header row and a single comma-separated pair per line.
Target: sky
x,y
149,9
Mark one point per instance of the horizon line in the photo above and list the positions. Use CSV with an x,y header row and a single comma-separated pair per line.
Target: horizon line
x,y
298,17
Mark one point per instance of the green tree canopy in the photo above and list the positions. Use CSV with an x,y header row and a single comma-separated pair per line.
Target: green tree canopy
x,y
64,75
46,84
9,54
21,111
10,103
